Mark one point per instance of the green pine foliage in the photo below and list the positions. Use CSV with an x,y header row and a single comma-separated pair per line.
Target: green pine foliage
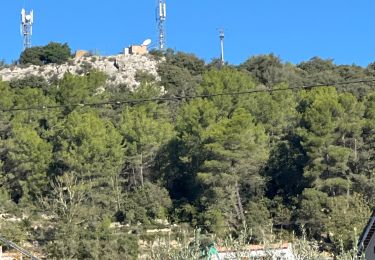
x,y
86,182
53,52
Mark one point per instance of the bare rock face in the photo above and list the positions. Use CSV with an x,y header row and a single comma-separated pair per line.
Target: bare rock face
x,y
121,69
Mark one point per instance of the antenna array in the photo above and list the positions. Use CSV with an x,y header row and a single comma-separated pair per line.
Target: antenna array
x,y
161,16
221,35
27,21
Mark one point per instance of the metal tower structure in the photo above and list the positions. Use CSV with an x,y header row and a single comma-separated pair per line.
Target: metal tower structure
x,y
221,35
27,21
161,16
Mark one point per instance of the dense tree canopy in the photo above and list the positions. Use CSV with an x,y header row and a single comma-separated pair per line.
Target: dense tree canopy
x,y
53,52
227,164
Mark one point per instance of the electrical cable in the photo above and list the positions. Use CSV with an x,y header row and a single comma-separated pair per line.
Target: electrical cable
x,y
163,99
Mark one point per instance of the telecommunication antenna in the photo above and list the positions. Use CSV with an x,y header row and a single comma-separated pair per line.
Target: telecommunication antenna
x,y
221,35
161,16
27,21
146,42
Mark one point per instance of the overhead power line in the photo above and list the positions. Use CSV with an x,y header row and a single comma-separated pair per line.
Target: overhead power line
x,y
162,99
16,247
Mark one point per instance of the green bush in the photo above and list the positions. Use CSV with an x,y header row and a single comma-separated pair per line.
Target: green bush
x,y
53,52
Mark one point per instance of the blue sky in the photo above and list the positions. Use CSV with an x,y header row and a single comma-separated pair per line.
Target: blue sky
x,y
295,30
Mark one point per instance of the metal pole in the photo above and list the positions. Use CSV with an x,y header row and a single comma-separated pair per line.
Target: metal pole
x,y
222,46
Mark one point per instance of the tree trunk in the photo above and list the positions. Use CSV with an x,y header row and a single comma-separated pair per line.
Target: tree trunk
x,y
117,190
134,177
141,170
240,207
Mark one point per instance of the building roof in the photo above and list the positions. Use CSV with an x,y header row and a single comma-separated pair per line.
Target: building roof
x,y
9,255
250,248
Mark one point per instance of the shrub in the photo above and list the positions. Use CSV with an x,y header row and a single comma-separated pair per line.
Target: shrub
x,y
51,53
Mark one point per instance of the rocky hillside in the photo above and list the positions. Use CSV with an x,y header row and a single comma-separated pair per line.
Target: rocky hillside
x,y
121,69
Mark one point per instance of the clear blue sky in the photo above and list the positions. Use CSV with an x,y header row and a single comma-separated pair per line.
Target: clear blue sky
x,y
295,30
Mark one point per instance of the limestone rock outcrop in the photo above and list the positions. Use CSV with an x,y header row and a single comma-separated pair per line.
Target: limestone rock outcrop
x,y
121,69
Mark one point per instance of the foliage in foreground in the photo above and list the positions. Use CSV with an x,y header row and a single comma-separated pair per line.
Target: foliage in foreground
x,y
200,247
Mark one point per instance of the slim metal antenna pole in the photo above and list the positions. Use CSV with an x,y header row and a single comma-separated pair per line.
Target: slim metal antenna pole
x,y
222,46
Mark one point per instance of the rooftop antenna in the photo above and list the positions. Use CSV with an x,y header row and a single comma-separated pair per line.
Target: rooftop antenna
x,y
161,15
27,21
221,35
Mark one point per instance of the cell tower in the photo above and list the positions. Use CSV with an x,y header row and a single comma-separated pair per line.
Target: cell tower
x,y
161,16
221,35
27,21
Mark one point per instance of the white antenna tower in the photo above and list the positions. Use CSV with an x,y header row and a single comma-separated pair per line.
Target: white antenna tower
x,y
27,21
161,16
221,35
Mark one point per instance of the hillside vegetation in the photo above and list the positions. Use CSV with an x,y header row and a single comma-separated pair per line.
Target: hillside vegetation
x,y
53,61
223,164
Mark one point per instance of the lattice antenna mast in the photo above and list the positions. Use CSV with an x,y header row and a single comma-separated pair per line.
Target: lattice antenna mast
x,y
27,21
221,35
161,16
